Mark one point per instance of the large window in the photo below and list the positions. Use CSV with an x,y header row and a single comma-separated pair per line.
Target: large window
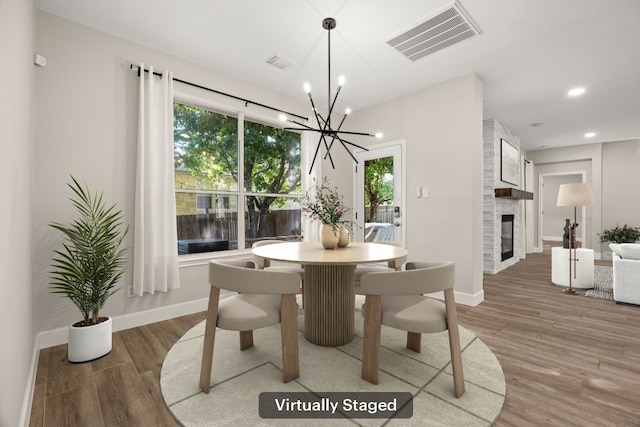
x,y
237,181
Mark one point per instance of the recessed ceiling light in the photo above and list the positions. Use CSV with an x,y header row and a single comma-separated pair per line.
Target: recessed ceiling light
x,y
577,91
535,125
589,134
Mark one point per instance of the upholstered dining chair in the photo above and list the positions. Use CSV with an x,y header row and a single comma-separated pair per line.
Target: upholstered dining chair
x,y
262,263
396,299
392,265
264,298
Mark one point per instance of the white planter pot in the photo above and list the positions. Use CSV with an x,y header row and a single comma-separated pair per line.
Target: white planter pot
x,y
89,342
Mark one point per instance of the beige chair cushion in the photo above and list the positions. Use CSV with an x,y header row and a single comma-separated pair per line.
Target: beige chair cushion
x,y
245,312
413,313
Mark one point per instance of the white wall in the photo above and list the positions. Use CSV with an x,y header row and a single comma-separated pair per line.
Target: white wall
x,y
86,100
620,185
17,40
442,126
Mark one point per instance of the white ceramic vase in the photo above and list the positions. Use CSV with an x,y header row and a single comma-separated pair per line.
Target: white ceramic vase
x,y
343,236
89,342
329,236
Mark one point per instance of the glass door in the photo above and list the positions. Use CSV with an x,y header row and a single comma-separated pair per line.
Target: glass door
x,y
379,205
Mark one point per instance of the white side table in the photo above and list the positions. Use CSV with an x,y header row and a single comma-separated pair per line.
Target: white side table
x,y
583,278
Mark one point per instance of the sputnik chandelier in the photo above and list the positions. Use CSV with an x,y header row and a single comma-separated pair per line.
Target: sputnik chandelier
x,y
328,134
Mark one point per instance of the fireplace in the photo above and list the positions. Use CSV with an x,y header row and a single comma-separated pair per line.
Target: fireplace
x,y
506,237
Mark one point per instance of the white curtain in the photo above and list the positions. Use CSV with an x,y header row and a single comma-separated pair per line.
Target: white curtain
x,y
155,259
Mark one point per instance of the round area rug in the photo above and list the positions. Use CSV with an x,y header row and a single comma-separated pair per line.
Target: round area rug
x,y
239,377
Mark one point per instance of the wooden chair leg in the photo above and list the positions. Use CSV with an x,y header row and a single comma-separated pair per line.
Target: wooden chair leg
x,y
246,340
454,343
289,338
209,339
414,341
371,340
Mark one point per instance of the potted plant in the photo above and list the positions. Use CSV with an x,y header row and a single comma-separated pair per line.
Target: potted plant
x,y
88,269
619,234
322,202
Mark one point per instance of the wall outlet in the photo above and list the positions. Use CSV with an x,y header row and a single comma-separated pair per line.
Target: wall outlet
x,y
425,192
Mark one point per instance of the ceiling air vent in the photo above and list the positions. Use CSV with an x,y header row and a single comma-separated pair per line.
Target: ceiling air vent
x,y
447,28
279,62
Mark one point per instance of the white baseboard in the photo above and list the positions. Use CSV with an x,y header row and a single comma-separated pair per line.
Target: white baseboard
x,y
462,297
27,401
159,314
61,335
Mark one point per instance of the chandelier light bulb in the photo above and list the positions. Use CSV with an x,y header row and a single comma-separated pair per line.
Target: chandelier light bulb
x,y
379,135
341,80
347,111
307,87
282,118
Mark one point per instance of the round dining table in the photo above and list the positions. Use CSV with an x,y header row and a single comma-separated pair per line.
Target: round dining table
x,y
329,283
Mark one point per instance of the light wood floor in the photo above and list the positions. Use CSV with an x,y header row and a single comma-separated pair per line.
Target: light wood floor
x,y
568,360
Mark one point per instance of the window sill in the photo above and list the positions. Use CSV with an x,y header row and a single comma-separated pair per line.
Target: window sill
x,y
194,260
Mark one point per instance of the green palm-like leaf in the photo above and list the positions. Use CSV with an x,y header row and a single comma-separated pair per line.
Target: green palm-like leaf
x,y
92,262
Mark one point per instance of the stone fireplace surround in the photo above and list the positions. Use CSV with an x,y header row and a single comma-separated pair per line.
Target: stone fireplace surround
x,y
492,257
494,207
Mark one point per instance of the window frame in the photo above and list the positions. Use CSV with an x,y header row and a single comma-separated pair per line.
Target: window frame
x,y
241,115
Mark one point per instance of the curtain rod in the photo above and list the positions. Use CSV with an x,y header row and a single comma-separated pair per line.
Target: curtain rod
x,y
246,101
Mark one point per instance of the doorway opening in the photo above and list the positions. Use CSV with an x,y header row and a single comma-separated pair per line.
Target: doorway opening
x,y
551,218
378,193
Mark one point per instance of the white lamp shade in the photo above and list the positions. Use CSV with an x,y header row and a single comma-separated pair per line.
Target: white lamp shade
x,y
578,194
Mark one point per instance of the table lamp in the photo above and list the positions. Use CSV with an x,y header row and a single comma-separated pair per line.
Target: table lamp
x,y
577,194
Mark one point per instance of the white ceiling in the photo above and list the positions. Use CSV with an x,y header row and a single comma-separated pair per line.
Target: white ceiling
x,y
530,53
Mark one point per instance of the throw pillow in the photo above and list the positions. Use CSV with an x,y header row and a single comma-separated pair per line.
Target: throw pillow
x,y
616,248
631,251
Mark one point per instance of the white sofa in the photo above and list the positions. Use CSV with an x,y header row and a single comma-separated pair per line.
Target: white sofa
x,y
626,272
